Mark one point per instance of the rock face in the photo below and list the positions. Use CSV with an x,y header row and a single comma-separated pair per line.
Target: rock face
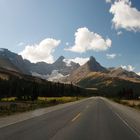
x,y
7,64
122,73
15,62
61,66
107,81
91,66
12,61
53,71
65,72
90,75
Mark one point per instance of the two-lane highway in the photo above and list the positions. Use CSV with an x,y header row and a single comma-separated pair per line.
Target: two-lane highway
x,y
94,118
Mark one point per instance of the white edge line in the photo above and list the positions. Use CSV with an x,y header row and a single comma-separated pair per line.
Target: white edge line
x,y
76,117
131,128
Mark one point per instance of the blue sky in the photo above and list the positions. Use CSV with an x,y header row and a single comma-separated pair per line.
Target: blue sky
x,y
29,22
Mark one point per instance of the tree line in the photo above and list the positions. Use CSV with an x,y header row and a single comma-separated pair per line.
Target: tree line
x,y
25,89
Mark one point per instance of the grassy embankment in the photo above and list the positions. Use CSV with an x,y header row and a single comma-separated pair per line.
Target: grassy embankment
x,y
131,103
10,106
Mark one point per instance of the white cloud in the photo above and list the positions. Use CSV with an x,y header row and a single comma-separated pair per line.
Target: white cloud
x,y
138,73
125,16
79,60
111,56
20,44
119,33
41,52
108,1
128,67
67,61
67,43
86,40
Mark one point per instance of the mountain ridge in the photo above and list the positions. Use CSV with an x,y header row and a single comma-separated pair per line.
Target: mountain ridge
x,y
15,62
90,75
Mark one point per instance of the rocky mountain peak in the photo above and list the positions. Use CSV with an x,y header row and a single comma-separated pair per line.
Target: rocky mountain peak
x,y
7,53
60,59
12,60
92,59
3,49
93,65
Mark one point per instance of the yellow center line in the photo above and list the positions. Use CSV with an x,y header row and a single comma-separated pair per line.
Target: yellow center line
x,y
76,117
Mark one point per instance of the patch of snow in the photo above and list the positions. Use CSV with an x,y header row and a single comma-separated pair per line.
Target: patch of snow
x,y
55,76
40,75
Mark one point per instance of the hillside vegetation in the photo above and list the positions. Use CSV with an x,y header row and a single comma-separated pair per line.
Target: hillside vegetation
x,y
26,87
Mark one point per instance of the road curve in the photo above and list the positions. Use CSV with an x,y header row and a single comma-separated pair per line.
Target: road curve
x,y
94,118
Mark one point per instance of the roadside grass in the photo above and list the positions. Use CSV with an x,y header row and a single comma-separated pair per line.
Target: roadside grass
x,y
131,103
59,99
9,99
10,105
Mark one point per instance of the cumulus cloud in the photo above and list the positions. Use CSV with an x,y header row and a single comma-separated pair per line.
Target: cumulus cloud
x,y
80,60
128,67
111,56
108,1
119,33
86,40
67,61
41,52
125,16
20,44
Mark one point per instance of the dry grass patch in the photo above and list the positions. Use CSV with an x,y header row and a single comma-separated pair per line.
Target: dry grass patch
x,y
11,105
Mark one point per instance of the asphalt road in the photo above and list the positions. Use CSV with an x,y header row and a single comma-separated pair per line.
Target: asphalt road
x,y
91,119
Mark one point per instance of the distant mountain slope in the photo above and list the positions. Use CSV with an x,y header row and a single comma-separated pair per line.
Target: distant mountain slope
x,y
27,87
91,66
12,61
63,67
90,75
93,69
7,64
99,79
15,62
109,85
6,74
122,73
94,76
59,67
